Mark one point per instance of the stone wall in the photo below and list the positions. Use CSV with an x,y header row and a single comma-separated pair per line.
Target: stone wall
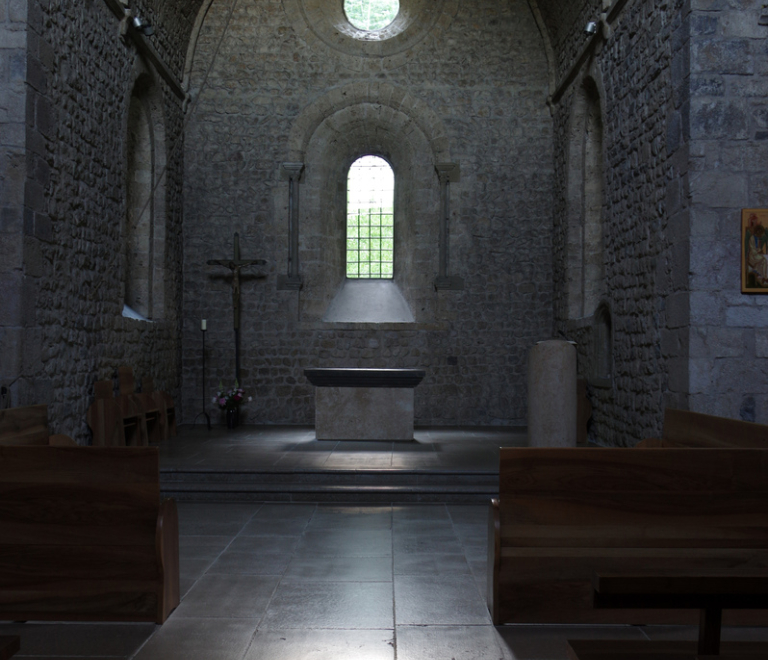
x,y
79,78
465,83
633,74
729,152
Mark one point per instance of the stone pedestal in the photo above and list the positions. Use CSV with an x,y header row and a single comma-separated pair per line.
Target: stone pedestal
x,y
552,401
363,413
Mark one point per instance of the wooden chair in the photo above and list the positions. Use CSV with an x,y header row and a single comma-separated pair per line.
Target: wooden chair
x,y
85,536
29,426
105,418
683,428
144,403
165,405
130,429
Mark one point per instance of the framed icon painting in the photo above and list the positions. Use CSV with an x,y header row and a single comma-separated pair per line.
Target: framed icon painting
x,y
754,251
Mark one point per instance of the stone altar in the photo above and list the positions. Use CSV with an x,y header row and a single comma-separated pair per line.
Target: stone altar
x,y
364,404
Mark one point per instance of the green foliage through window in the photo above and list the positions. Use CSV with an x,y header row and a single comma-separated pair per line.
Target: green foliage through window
x,y
371,15
370,219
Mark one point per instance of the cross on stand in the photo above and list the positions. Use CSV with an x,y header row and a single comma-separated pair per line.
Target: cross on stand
x,y
235,265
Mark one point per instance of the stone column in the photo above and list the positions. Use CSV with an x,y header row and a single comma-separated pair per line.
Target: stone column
x,y
292,280
552,401
446,173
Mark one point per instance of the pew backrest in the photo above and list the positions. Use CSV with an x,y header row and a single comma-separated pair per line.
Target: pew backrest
x,y
564,514
683,428
28,425
85,536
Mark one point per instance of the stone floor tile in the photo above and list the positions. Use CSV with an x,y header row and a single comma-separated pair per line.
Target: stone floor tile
x,y
424,564
448,642
334,568
549,642
322,645
358,542
199,639
275,527
469,514
79,639
250,563
353,605
228,596
202,547
417,512
280,512
267,544
441,527
430,544
428,600
193,568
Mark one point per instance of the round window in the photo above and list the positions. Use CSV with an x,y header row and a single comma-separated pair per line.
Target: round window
x,y
371,15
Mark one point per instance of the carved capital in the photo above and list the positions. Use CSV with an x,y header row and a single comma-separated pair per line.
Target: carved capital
x,y
448,172
290,171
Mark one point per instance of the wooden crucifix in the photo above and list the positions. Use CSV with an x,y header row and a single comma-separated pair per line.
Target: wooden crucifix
x,y
235,265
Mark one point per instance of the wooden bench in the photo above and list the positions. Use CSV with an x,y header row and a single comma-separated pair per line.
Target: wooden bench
x,y
564,514
29,426
85,536
683,428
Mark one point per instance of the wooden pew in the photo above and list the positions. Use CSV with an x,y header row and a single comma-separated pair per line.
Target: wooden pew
x,y
164,403
683,428
29,426
143,403
85,536
564,514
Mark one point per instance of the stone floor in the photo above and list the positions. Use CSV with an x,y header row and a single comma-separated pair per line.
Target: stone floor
x,y
328,582
295,447
290,581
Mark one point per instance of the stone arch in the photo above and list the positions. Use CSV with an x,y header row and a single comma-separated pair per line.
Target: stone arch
x,y
369,94
586,170
328,145
144,223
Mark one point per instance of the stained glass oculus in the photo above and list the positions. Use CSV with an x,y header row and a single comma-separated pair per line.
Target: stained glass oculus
x,y
370,219
371,15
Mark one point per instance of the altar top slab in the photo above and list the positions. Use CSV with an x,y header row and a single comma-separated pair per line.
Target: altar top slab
x,y
332,377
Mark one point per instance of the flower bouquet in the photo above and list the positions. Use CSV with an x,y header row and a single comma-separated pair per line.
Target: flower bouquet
x,y
230,401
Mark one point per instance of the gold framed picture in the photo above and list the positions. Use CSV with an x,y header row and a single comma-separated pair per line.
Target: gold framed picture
x,y
754,251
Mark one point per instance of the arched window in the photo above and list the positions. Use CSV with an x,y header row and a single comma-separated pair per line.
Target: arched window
x,y
370,219
371,15
144,224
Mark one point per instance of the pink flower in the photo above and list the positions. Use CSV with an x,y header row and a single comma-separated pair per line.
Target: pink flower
x,y
222,401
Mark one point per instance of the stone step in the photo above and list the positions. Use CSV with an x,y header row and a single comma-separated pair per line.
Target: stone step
x,y
332,486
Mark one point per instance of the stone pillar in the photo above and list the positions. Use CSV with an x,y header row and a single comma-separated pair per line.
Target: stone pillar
x,y
292,280
552,401
446,173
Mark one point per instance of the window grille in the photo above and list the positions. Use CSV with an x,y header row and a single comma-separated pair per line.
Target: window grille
x,y
370,219
371,15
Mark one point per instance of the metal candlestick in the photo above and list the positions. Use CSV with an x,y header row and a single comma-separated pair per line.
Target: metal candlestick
x,y
203,328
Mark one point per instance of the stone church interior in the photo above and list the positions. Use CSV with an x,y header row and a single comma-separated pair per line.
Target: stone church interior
x,y
383,329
